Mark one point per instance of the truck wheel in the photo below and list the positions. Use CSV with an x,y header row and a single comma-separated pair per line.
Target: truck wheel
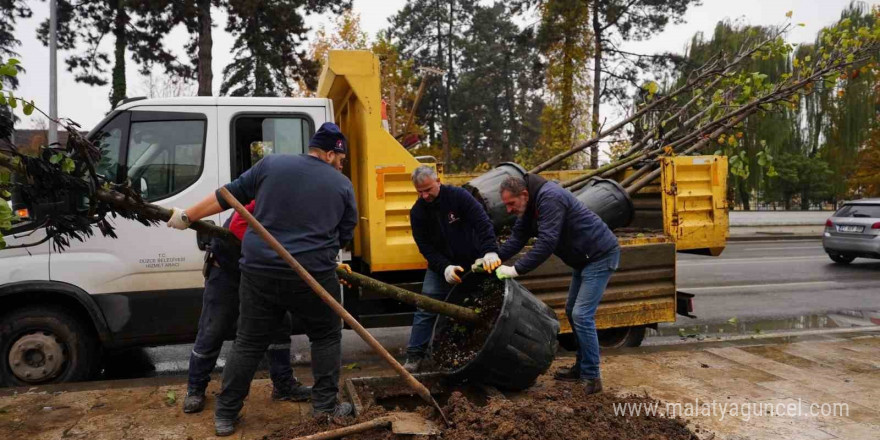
x,y
842,259
567,341
608,338
45,345
622,336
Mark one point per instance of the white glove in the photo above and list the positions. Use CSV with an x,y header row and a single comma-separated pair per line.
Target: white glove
x,y
491,261
178,219
505,272
450,274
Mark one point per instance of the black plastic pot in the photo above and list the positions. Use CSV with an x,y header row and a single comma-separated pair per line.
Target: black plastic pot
x,y
485,189
609,201
521,345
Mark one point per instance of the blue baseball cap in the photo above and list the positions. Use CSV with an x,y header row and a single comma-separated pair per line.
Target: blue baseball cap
x,y
329,138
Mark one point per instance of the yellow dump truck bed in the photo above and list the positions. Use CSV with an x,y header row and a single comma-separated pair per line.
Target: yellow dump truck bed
x,y
687,204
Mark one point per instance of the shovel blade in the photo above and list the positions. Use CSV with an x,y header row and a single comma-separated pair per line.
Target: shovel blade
x,y
413,424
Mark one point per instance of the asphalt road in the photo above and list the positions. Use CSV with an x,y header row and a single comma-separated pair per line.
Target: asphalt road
x,y
752,287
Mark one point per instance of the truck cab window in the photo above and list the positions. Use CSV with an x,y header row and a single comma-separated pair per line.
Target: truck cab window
x,y
165,157
256,136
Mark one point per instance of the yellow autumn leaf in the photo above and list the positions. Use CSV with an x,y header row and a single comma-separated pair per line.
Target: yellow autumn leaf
x,y
789,13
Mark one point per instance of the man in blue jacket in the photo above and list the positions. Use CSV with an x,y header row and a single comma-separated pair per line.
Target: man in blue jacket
x,y
452,231
565,227
305,203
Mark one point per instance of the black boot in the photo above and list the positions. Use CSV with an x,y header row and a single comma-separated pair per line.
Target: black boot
x,y
293,391
569,374
593,386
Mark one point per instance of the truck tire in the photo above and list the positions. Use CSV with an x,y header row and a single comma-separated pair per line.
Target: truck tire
x,y
40,344
841,259
622,336
608,338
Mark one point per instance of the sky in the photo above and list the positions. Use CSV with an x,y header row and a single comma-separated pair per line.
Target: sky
x,y
87,105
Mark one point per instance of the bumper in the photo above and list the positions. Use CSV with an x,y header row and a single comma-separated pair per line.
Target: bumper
x,y
859,247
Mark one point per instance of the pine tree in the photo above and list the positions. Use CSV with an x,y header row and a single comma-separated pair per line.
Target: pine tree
x,y
135,27
268,55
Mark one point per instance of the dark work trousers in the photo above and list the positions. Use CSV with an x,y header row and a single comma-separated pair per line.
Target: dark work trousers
x,y
220,304
264,301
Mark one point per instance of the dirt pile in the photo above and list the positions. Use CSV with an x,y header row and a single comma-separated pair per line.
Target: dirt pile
x,y
456,344
564,412
553,412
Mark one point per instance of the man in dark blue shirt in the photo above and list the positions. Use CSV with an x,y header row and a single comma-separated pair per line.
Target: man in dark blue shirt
x,y
309,207
565,227
452,231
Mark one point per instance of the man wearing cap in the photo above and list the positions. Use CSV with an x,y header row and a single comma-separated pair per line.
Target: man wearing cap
x,y
565,227
451,230
310,208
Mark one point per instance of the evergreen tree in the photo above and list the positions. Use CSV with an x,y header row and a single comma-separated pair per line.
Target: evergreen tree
x,y
268,55
494,99
135,27
430,32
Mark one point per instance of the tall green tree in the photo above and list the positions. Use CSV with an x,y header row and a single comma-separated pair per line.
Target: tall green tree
x,y
613,23
268,55
767,134
135,27
430,32
10,12
495,104
565,41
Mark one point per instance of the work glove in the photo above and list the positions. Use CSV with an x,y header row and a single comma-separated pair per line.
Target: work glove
x,y
347,268
178,219
451,275
491,261
505,272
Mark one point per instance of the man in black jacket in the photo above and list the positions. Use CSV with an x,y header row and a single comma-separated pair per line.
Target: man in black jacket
x,y
452,231
565,227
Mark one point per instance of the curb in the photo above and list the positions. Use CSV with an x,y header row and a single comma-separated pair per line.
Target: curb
x,y
774,237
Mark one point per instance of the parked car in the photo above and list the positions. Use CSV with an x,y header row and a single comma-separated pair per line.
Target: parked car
x,y
853,231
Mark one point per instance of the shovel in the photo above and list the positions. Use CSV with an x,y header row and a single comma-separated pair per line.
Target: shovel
x,y
400,423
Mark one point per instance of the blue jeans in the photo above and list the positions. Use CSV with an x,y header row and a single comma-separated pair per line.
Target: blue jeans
x,y
587,286
218,322
264,302
436,287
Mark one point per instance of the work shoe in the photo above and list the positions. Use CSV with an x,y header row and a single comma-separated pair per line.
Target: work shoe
x,y
593,386
570,374
194,402
296,392
340,410
225,427
413,364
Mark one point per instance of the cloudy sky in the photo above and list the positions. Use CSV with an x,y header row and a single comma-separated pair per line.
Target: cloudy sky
x,y
87,105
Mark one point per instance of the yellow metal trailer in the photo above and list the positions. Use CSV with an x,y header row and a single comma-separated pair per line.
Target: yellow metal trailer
x,y
685,210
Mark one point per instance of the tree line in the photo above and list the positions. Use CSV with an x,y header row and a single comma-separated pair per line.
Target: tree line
x,y
520,80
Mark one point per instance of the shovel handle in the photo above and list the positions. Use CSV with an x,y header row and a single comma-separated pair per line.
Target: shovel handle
x,y
411,381
349,430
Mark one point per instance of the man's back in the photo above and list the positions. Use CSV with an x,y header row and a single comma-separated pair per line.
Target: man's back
x,y
304,203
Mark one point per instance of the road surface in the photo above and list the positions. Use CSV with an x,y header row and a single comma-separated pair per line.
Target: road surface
x,y
752,287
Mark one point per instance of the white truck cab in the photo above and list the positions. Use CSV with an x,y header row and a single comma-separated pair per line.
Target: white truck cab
x,y
58,310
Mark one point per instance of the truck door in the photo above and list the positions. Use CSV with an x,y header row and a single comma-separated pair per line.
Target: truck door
x,y
148,281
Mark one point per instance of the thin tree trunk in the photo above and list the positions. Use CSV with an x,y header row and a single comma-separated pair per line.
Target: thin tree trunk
x,y
447,154
597,84
205,73
117,92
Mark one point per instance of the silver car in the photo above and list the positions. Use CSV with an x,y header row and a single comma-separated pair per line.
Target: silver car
x,y
853,231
